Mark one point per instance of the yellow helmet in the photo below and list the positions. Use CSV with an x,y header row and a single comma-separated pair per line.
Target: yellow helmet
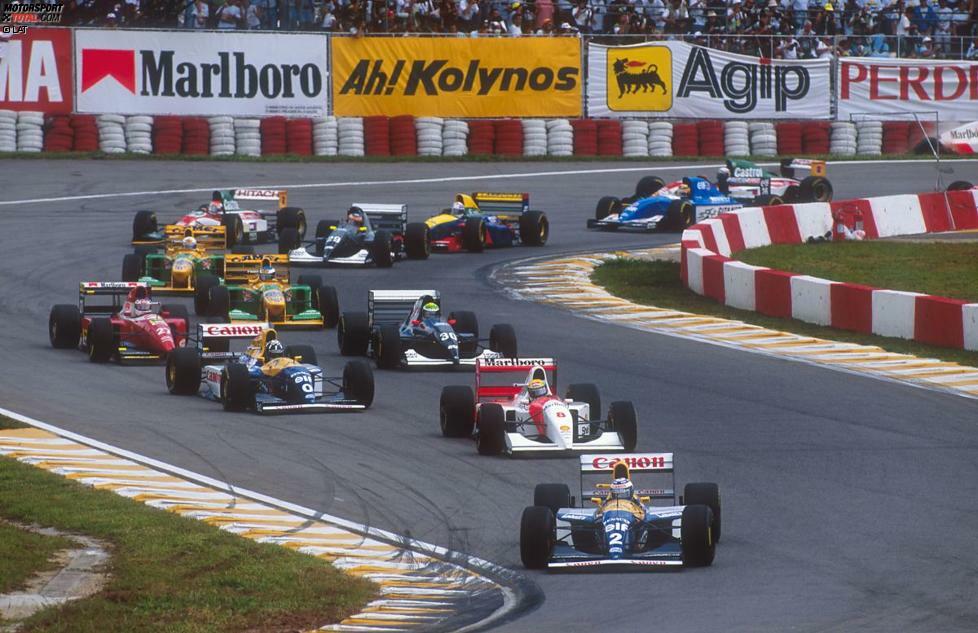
x,y
536,388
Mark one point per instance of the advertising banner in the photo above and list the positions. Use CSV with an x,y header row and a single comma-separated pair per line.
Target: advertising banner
x,y
35,71
177,72
889,88
676,79
457,77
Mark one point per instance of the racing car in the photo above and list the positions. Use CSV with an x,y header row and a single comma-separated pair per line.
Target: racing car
x,y
529,417
266,377
621,527
188,252
406,328
256,288
487,220
129,327
373,234
243,225
680,204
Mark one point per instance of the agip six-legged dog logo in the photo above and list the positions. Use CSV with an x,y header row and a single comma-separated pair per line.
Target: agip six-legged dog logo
x,y
639,79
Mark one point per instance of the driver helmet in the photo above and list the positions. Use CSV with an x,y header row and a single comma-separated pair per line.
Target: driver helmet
x,y
142,306
189,242
536,388
266,273
430,310
723,173
274,349
458,208
355,215
622,489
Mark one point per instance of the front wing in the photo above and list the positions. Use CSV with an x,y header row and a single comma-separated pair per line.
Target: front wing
x,y
613,223
517,443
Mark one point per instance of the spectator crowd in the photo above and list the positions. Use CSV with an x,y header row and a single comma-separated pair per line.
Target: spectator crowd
x,y
789,29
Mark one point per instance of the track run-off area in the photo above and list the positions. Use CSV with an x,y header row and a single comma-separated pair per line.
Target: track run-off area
x,y
849,503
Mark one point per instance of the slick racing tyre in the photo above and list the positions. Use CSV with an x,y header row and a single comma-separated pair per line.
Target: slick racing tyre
x,y
648,186
143,223
64,326
474,235
960,185
502,339
586,392
538,534
815,189
553,496
219,303
353,334
202,297
234,229
622,419
328,303
388,347
380,250
291,218
466,323
681,215
304,354
768,200
534,228
707,494
492,429
698,544
288,240
101,340
237,390
183,371
358,382
416,241
456,411
606,206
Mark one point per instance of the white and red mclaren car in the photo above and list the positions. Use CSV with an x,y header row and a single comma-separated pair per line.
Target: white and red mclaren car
x,y
528,416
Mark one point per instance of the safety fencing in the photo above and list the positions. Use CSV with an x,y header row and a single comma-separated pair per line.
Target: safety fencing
x,y
708,270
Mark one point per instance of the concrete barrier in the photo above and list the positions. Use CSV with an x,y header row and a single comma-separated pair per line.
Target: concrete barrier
x,y
893,313
811,299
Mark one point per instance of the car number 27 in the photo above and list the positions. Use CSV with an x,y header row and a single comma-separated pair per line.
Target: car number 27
x,y
304,381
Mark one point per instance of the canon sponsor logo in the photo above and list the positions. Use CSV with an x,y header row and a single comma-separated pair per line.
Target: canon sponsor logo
x,y
741,85
632,461
231,330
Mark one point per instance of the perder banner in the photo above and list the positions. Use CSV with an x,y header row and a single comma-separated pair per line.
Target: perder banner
x,y
895,88
676,79
35,71
450,77
236,74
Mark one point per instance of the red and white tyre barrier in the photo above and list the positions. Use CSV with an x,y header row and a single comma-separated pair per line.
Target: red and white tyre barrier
x,y
429,133
534,137
222,135
708,270
685,140
112,133
8,131
403,136
325,136
351,139
167,135
562,140
298,137
763,138
247,137
455,138
635,138
736,138
660,139
139,134
59,136
196,136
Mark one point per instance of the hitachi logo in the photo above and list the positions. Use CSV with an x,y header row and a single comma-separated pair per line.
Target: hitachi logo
x,y
162,77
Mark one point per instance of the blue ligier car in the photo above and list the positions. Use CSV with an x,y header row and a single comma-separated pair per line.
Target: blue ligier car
x,y
671,207
622,528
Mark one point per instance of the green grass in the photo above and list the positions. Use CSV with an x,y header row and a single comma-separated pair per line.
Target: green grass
x,y
172,574
24,553
10,423
292,158
947,269
658,284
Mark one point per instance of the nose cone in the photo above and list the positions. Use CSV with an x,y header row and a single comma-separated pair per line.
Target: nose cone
x,y
275,305
181,272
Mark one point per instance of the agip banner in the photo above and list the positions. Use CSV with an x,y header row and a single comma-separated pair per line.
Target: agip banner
x,y
190,73
457,77
35,71
894,88
676,79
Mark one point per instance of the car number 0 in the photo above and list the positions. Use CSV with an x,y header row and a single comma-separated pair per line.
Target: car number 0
x,y
304,381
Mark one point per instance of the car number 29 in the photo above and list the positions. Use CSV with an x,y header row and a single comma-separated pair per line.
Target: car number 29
x,y
304,381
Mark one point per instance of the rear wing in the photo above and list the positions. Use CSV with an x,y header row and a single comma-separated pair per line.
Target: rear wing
x,y
502,203
209,237
393,306
509,365
628,465
117,290
240,268
281,196
390,217
813,167
207,332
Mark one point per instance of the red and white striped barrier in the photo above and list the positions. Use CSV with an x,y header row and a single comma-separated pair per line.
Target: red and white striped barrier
x,y
708,270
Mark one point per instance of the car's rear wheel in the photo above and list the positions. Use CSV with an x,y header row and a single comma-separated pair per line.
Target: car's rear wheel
x,y
768,200
380,250
234,229
589,393
358,382
132,267
64,326
538,535
417,243
143,224
553,496
502,339
183,371
466,323
698,544
353,334
237,390
328,304
707,494
101,340
534,228
492,429
960,185
456,411
302,354
622,419
474,235
815,189
388,347
291,217
648,186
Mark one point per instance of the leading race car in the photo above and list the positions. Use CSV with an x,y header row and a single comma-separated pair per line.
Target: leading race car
x,y
267,377
487,220
133,330
188,252
753,185
406,328
257,288
243,225
372,234
622,528
528,417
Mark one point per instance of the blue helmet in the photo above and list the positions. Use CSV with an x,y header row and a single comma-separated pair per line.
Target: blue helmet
x,y
622,489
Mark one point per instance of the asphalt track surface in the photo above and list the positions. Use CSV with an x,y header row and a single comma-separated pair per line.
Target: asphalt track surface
x,y
849,503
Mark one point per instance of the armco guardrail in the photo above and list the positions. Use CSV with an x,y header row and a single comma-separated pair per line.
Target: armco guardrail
x,y
708,270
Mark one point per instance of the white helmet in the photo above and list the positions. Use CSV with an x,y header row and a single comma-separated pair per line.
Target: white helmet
x,y
142,306
274,349
622,489
189,242
723,172
458,208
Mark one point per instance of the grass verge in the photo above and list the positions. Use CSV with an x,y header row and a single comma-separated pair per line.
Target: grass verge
x,y
10,423
658,284
947,269
174,574
24,553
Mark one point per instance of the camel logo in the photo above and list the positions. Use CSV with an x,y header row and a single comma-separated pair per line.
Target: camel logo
x,y
639,79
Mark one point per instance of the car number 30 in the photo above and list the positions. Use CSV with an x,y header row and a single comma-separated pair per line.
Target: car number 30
x,y
304,381
448,336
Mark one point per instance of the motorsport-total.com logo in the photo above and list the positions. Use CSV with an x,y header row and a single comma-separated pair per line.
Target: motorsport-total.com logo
x,y
15,17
